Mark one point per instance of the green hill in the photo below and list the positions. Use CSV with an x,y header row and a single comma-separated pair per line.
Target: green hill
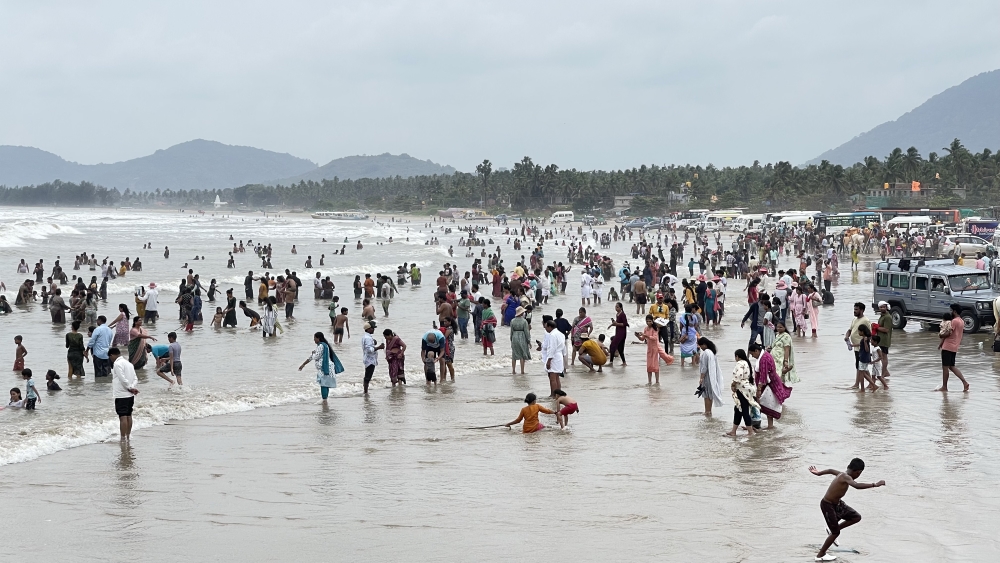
x,y
969,111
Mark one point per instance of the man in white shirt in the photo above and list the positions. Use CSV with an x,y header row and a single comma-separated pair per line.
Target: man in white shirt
x,y
586,284
152,306
553,350
123,388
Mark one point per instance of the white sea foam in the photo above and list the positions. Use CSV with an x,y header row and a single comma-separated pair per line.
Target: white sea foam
x,y
13,234
83,414
187,404
128,283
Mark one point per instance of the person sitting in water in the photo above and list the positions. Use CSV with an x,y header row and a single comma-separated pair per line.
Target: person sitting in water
x,y
529,414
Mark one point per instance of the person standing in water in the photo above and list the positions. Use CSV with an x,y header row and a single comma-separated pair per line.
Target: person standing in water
x,y
121,326
230,310
620,322
950,341
654,352
520,341
368,353
835,511
327,365
885,336
100,344
710,380
744,392
124,389
553,349
395,350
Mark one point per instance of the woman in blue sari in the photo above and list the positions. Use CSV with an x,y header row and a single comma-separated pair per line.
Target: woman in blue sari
x,y
711,315
511,303
688,335
327,365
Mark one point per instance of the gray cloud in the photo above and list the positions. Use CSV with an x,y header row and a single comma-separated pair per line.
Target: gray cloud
x,y
582,84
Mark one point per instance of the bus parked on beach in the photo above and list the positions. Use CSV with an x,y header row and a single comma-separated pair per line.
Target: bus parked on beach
x,y
944,216
835,224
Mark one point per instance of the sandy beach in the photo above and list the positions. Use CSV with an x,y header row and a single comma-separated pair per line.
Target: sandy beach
x,y
246,464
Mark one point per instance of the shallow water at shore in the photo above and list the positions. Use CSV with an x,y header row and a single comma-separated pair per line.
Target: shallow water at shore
x,y
641,475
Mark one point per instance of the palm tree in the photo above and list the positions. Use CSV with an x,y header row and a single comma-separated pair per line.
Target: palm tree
x,y
834,181
959,161
484,170
779,183
894,165
911,163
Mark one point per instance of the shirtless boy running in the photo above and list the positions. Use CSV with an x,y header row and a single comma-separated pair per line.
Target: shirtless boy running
x,y
833,507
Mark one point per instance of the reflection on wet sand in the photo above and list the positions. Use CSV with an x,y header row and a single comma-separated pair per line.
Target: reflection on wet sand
x,y
954,440
127,476
873,411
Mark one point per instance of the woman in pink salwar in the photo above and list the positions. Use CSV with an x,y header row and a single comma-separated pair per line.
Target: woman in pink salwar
x,y
815,301
799,304
771,390
654,351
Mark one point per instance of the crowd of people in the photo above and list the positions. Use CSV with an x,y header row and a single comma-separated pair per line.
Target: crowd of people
x,y
492,300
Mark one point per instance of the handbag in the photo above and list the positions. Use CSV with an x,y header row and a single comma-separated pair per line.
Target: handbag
x,y
769,404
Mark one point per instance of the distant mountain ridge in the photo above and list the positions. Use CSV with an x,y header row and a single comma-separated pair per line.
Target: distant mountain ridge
x,y
197,164
969,111
202,165
384,165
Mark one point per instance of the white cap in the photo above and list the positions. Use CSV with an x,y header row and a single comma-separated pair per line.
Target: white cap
x,y
880,303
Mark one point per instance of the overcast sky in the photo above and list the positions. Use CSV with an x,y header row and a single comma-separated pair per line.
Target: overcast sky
x,y
577,83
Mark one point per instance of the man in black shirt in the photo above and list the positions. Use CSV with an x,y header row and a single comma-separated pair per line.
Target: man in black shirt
x,y
248,284
562,325
251,314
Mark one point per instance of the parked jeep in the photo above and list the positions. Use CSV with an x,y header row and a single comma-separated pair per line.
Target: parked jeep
x,y
923,290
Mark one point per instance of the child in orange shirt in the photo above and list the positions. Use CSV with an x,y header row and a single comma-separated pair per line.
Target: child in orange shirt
x,y
529,415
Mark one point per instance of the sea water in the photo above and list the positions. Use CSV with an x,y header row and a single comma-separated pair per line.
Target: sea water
x,y
244,463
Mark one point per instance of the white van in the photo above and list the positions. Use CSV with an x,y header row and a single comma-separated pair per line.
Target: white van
x,y
796,221
562,217
723,218
747,223
909,223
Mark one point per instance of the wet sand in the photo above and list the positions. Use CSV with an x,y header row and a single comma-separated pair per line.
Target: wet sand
x,y
641,475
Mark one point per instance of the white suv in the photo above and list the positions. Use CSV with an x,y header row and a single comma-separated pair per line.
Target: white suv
x,y
966,245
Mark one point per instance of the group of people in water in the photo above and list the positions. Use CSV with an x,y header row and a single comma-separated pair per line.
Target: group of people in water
x,y
680,312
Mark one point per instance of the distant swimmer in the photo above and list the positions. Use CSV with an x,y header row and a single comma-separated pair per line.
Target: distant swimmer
x,y
166,252
833,507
